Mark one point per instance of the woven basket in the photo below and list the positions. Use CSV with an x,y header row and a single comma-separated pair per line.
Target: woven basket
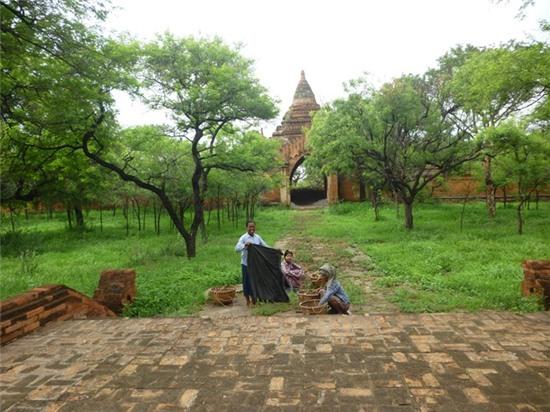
x,y
312,307
223,295
305,295
316,281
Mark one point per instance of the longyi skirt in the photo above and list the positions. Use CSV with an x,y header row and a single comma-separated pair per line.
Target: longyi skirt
x,y
247,289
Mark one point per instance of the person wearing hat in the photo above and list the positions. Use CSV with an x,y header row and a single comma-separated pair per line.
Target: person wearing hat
x,y
332,291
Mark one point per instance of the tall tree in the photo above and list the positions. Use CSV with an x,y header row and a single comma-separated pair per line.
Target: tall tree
x,y
207,86
406,135
57,74
492,86
524,158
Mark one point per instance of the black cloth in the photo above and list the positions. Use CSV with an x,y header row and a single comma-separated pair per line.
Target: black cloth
x,y
264,273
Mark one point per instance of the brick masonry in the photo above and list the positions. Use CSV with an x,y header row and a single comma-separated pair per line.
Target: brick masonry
x,y
116,288
488,361
28,311
536,280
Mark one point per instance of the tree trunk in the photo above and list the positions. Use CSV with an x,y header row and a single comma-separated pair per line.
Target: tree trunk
x,y
182,211
408,215
505,197
158,220
218,209
489,187
520,216
26,213
155,216
79,217
144,213
100,219
237,212
190,247
374,202
253,207
396,199
69,217
125,213
198,201
362,189
12,220
537,199
137,212
204,232
463,210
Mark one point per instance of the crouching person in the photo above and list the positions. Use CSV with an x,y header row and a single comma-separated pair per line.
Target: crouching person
x,y
332,292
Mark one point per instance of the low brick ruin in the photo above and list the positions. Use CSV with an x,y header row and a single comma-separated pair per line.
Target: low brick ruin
x,y
536,280
116,288
28,311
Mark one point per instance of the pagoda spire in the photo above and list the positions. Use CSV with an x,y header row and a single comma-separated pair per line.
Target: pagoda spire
x,y
303,93
299,113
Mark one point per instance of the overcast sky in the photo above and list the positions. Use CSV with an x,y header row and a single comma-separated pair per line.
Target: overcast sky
x,y
333,41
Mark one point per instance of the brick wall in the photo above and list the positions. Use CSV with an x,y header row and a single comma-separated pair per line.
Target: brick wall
x,y
536,280
26,312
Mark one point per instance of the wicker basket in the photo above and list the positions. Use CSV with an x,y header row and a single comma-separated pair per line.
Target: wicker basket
x,y
316,281
312,307
308,294
223,295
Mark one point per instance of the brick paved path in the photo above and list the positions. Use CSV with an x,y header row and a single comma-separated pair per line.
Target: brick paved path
x,y
447,362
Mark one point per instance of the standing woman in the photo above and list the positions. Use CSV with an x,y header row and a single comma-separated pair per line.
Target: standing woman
x,y
250,237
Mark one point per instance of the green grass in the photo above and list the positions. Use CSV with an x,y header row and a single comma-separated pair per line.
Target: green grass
x,y
43,251
268,309
436,267
355,292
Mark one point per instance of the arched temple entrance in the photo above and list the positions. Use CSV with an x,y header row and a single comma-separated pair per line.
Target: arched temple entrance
x,y
306,188
293,149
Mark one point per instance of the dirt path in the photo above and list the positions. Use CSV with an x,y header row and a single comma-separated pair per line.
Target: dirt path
x,y
352,264
311,252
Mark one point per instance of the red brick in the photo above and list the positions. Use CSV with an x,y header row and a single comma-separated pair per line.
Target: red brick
x,y
11,336
116,288
536,264
59,308
36,311
4,324
20,324
31,327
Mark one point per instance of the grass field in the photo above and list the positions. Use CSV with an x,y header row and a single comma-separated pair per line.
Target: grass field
x,y
435,267
43,251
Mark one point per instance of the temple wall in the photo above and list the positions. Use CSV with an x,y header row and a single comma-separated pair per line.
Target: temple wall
x,y
349,190
272,196
453,188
